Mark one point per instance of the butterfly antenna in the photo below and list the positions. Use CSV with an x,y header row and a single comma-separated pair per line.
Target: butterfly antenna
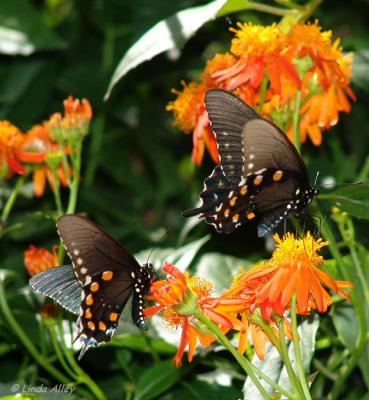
x,y
316,178
160,239
332,185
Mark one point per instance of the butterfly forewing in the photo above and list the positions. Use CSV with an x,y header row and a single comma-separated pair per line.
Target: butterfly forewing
x,y
227,115
93,251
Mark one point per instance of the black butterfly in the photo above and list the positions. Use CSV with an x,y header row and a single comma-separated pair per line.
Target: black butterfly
x,y
97,286
260,173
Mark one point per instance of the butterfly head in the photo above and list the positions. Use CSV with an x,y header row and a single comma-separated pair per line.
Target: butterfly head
x,y
147,273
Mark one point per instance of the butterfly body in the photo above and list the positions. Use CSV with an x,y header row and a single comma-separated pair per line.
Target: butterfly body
x,y
98,285
260,173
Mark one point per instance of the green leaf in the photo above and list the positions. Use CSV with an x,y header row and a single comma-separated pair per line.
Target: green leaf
x,y
181,257
157,380
220,269
353,199
22,30
346,323
360,69
233,6
169,34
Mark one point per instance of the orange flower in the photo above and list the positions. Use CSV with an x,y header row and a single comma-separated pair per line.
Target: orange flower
x,y
190,115
260,50
293,269
11,156
177,300
38,142
38,260
73,126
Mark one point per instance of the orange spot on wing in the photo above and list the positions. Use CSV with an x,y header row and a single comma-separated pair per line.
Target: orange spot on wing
x,y
277,176
102,326
258,180
91,325
88,314
89,300
113,316
107,275
94,287
250,215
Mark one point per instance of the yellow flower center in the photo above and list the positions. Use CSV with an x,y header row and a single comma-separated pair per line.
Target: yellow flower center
x,y
297,251
257,40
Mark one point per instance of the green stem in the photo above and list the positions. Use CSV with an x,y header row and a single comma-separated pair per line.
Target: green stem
x,y
26,341
244,363
263,90
73,194
58,352
289,4
309,9
56,192
296,122
76,179
271,9
81,374
250,5
296,342
287,362
11,200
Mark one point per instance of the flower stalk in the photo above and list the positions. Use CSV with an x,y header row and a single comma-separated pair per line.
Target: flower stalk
x,y
287,362
11,200
296,343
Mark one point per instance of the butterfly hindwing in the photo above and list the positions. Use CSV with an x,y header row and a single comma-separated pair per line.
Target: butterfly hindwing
x,y
61,285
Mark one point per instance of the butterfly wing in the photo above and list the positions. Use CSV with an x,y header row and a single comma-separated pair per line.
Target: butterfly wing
x,y
106,272
261,173
61,285
228,115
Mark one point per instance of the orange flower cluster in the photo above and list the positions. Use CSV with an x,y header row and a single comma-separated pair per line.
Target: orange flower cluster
x,y
37,260
40,150
267,67
265,289
74,124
